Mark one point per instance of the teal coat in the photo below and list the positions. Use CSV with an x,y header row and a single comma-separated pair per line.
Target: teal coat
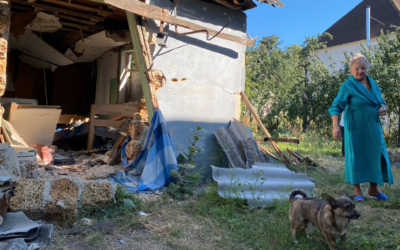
x,y
364,141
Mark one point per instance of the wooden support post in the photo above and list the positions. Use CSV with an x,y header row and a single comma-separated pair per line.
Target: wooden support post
x,y
264,129
142,55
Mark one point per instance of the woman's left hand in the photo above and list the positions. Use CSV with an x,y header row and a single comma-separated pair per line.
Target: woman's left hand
x,y
382,111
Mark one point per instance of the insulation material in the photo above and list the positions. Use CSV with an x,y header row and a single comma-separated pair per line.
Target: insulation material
x,y
95,46
29,195
42,124
45,23
30,44
65,194
100,193
60,199
10,161
133,149
137,131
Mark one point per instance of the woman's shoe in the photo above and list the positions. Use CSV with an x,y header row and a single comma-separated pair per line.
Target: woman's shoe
x,y
380,196
359,198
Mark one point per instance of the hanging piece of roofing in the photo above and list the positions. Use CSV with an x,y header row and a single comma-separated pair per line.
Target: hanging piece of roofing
x,y
273,2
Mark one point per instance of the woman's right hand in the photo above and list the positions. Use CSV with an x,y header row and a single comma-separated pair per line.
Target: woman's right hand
x,y
336,133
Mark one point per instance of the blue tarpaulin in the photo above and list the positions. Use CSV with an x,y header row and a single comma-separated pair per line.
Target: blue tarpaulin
x,y
150,170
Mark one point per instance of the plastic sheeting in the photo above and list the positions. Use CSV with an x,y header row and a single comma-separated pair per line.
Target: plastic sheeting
x,y
150,171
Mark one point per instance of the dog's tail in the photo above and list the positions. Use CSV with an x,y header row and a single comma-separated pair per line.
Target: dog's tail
x,y
292,196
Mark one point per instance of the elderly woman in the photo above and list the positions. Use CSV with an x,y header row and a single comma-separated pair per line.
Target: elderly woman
x,y
367,159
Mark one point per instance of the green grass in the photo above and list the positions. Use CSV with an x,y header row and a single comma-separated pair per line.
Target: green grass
x,y
212,222
269,228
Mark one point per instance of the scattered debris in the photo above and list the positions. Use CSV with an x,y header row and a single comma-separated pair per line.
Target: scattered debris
x,y
10,161
17,225
42,122
107,227
304,160
143,214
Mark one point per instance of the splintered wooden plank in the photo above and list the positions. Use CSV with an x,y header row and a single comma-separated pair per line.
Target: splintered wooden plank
x,y
275,139
264,129
157,13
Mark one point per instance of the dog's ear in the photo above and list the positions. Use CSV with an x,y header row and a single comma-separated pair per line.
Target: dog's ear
x,y
329,199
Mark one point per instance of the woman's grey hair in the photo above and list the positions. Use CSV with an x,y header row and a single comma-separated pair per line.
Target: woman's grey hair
x,y
361,57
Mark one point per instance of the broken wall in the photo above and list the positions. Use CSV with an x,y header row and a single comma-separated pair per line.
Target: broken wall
x,y
203,78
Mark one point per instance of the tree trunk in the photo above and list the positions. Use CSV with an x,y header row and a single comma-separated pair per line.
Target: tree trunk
x,y
4,35
305,100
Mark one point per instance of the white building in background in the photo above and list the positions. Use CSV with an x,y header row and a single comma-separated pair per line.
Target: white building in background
x,y
349,32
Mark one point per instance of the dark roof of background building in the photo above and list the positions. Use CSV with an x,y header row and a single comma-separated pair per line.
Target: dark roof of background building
x,y
235,4
352,26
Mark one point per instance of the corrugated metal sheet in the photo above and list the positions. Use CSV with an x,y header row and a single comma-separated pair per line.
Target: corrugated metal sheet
x,y
262,184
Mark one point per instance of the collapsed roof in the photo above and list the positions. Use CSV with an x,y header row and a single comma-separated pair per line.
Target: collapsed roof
x,y
82,18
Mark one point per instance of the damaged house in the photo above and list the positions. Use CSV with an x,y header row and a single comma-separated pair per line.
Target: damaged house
x,y
89,76
186,58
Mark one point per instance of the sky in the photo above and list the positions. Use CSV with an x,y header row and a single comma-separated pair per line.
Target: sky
x,y
297,20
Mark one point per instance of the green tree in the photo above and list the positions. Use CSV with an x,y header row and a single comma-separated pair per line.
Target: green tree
x,y
270,77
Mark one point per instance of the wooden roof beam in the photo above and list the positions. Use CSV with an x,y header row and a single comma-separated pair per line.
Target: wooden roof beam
x,y
61,10
22,7
78,20
157,13
80,7
74,25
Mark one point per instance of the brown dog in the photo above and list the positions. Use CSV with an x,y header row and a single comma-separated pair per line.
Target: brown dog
x,y
331,216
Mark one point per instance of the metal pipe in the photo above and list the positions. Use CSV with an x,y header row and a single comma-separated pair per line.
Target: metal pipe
x,y
368,14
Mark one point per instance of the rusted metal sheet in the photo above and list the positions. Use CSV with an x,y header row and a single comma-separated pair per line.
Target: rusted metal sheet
x,y
262,184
